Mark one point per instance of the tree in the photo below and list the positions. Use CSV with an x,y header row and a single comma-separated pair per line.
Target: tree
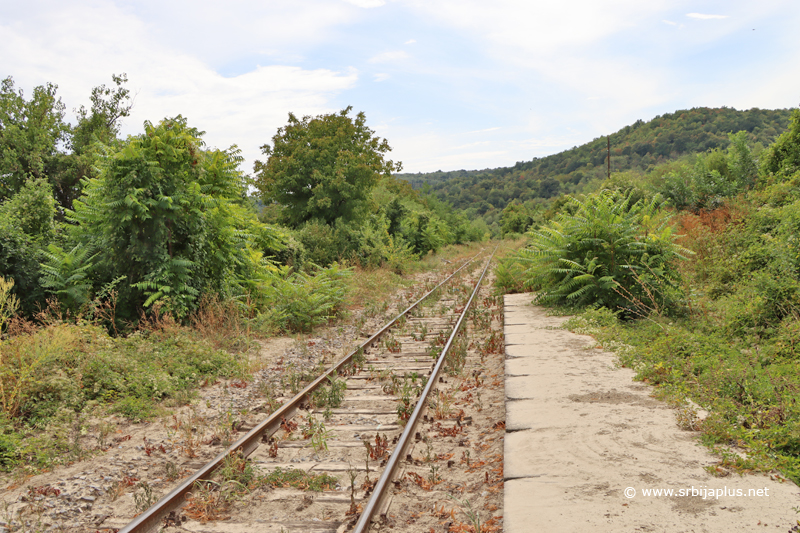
x,y
35,142
96,126
26,228
164,213
515,218
782,158
30,132
323,167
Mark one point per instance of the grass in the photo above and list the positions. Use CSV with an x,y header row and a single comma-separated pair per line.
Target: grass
x,y
298,479
55,375
754,402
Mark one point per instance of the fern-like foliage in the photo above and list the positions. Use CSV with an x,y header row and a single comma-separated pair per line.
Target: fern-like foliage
x,y
610,253
166,215
65,274
301,301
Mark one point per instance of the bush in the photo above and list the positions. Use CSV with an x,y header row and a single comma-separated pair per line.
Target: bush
x,y
609,254
300,301
66,366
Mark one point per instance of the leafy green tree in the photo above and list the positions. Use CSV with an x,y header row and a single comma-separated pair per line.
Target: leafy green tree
x,y
35,142
96,126
515,218
30,131
165,213
323,167
741,163
66,275
26,228
783,156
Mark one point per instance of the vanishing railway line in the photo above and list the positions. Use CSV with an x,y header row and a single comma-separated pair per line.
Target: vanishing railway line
x,y
359,420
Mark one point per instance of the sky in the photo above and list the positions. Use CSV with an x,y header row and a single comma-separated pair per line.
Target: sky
x,y
450,84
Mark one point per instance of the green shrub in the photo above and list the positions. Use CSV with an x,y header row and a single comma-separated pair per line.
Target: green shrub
x,y
608,254
510,274
301,301
135,408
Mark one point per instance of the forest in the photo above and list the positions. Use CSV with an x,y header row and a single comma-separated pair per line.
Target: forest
x,y
635,149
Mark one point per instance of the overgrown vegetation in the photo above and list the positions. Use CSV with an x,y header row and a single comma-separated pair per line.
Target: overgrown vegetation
x,y
608,253
133,270
725,332
56,375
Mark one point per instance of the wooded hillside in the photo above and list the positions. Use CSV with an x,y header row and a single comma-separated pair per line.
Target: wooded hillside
x,y
638,147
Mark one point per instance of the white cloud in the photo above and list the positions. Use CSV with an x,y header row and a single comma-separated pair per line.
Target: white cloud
x,y
381,76
410,41
563,44
669,22
702,16
367,3
83,47
486,130
388,57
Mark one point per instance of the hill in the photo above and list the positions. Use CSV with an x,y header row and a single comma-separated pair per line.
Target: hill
x,y
637,147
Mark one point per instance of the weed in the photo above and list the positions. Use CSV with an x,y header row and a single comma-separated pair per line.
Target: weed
x,y
118,488
379,450
317,434
405,407
237,471
433,477
222,323
457,356
359,359
442,404
298,479
301,301
352,474
288,426
144,497
296,379
187,433
206,502
171,471
494,344
687,418
429,455
472,515
9,303
331,395
104,429
391,344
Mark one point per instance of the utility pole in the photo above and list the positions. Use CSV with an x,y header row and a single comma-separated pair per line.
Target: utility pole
x,y
608,156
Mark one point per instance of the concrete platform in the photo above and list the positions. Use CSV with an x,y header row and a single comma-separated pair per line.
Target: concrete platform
x,y
580,432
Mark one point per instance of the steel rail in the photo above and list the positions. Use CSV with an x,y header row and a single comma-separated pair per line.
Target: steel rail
x,y
381,486
150,520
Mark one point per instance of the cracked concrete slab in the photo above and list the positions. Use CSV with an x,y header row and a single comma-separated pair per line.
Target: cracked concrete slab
x,y
580,432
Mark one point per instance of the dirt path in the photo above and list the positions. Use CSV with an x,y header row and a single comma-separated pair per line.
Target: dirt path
x,y
581,434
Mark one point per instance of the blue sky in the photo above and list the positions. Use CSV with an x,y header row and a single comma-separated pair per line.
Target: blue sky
x,y
451,84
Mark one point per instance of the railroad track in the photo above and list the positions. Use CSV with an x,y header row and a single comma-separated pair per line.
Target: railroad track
x,y
350,429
